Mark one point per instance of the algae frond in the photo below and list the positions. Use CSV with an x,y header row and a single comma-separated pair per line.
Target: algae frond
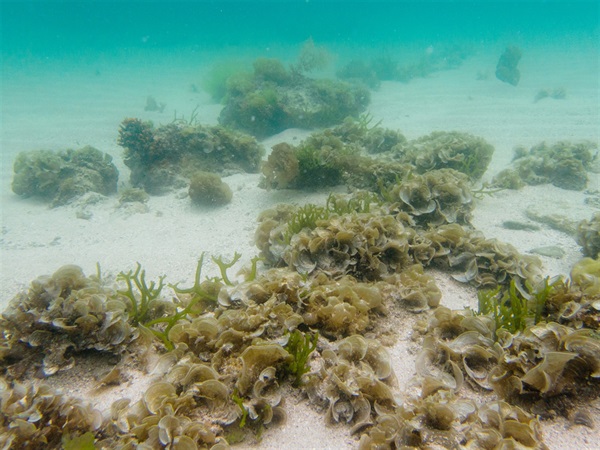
x,y
146,295
300,346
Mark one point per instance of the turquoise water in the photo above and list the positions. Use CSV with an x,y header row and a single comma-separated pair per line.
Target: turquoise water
x,y
73,28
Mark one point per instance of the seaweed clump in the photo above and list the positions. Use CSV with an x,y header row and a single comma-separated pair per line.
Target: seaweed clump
x,y
463,152
335,156
58,177
588,236
39,416
563,164
274,98
167,156
435,198
208,189
61,314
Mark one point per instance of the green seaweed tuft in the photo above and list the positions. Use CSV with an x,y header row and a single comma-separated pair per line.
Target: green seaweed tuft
x,y
300,346
223,266
83,442
146,296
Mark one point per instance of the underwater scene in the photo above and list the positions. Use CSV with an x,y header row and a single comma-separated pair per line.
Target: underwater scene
x,y
300,224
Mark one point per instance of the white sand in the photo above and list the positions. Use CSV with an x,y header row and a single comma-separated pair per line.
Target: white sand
x,y
45,107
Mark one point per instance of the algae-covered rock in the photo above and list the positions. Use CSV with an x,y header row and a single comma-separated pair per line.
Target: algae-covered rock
x,y
588,236
208,189
58,177
164,157
273,99
335,156
318,161
563,164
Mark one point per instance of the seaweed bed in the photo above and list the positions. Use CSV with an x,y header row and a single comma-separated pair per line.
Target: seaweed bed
x,y
311,316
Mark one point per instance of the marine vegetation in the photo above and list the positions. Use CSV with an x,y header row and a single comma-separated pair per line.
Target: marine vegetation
x,y
338,155
59,177
133,195
300,346
167,156
208,189
335,156
312,320
229,350
370,137
563,164
437,197
376,239
588,236
274,98
463,152
60,314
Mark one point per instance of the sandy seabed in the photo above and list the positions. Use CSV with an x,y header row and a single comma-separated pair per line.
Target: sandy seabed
x,y
46,105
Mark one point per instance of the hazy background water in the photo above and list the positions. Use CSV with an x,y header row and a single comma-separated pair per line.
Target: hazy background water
x,y
75,29
74,62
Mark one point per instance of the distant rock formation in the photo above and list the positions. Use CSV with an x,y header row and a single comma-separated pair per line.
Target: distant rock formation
x,y
506,69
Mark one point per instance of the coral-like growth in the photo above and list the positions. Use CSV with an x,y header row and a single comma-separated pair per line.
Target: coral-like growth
x,y
208,189
58,177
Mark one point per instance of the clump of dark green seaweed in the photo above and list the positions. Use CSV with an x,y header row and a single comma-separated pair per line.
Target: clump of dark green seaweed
x,y
168,155
58,177
563,164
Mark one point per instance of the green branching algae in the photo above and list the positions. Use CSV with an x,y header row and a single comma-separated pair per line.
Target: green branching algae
x,y
141,295
224,266
300,346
